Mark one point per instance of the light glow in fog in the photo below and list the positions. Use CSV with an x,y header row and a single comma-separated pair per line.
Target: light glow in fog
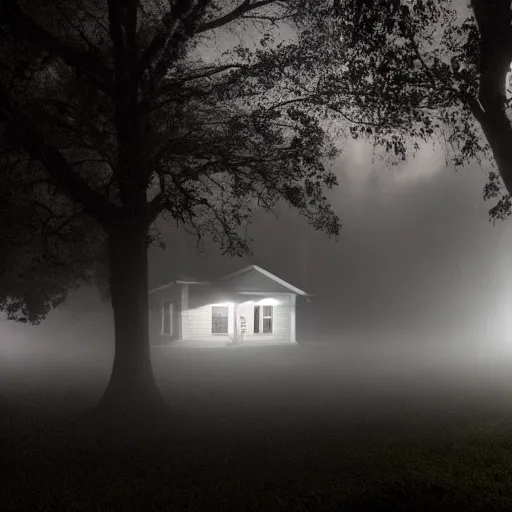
x,y
268,302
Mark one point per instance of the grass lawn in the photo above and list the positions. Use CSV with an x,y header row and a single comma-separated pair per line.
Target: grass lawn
x,y
285,429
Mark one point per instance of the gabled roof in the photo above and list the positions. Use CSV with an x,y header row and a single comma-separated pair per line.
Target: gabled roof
x,y
240,272
163,287
268,274
179,281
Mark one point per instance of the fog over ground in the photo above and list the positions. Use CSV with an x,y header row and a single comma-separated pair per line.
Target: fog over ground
x,y
403,367
417,289
417,254
417,261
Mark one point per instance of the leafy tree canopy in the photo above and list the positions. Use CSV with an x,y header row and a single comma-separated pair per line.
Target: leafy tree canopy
x,y
186,110
210,109
43,254
412,70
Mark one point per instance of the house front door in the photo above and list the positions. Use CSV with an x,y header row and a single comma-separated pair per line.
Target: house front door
x,y
243,318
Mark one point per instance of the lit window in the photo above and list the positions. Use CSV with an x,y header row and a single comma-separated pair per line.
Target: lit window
x,y
267,318
167,311
256,319
263,319
220,319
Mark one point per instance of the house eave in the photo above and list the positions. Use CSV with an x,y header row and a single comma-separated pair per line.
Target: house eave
x,y
168,285
192,282
271,276
163,287
248,292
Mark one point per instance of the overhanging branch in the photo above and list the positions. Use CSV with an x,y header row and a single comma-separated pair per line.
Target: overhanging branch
x,y
181,23
178,25
245,7
55,164
25,28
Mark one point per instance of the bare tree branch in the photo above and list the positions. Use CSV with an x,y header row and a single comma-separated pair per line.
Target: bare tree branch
x,y
207,73
69,218
55,164
245,7
178,25
25,28
98,21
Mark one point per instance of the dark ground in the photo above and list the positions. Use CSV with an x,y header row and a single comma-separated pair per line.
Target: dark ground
x,y
377,427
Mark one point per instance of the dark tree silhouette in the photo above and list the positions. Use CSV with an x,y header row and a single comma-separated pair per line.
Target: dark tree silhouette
x,y
125,111
424,69
45,251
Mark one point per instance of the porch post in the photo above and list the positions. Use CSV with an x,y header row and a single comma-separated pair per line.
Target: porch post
x,y
183,332
235,319
293,298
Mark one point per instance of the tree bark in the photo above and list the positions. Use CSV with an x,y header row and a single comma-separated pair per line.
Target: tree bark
x,y
494,19
498,132
132,387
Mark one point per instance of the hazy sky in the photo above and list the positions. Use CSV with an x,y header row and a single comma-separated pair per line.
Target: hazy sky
x,y
416,249
416,252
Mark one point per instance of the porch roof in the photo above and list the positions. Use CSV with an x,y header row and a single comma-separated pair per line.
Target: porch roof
x,y
242,290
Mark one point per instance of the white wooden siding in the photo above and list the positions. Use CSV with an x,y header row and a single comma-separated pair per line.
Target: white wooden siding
x,y
200,322
200,317
280,321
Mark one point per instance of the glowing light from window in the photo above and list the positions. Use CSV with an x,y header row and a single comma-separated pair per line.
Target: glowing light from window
x,y
268,302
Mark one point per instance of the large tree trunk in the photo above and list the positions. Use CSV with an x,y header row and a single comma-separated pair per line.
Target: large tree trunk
x,y
494,23
132,388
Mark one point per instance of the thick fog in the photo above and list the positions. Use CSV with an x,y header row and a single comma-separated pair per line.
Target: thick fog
x,y
412,299
417,255
417,263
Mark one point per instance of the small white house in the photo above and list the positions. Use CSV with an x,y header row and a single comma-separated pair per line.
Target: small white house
x,y
251,305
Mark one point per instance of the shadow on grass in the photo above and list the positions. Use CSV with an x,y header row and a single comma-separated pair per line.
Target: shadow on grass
x,y
252,432
54,466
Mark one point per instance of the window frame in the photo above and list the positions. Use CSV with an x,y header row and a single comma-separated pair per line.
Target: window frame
x,y
214,333
258,316
262,317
